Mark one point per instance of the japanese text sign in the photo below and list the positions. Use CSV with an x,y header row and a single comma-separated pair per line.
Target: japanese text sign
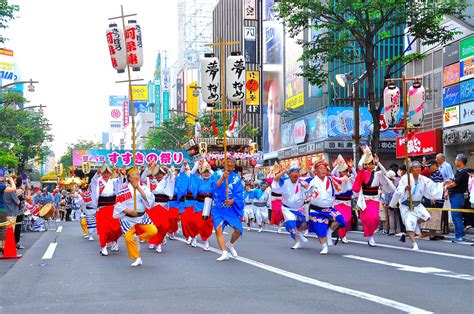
x,y
125,158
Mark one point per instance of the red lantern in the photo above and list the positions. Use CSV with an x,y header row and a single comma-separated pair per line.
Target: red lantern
x,y
253,162
133,41
117,48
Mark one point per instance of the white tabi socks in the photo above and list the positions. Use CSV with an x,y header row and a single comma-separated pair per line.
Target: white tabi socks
x,y
223,257
302,237
232,250
137,262
206,245
194,242
329,236
325,249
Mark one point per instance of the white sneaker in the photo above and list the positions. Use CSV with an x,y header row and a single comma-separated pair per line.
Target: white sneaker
x,y
232,250
151,247
164,241
85,236
137,262
415,247
91,238
302,237
325,249
223,257
171,236
103,251
371,241
261,229
279,229
188,241
248,228
306,232
296,246
344,240
115,247
58,220
206,245
328,237
194,242
158,248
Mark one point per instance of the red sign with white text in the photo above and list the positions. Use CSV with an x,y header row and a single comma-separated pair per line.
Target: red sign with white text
x,y
420,144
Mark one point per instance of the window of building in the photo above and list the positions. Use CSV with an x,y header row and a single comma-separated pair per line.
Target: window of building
x,y
418,67
429,93
437,91
428,63
438,58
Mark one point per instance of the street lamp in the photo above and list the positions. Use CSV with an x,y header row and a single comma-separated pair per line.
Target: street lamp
x,y
31,87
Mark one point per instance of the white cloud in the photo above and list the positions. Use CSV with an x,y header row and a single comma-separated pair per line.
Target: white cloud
x,y
62,45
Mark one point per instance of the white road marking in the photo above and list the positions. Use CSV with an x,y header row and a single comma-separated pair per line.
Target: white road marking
x,y
415,269
60,228
392,247
468,242
50,251
325,285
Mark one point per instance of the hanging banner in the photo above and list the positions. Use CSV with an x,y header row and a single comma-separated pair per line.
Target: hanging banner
x,y
126,115
252,86
250,9
121,158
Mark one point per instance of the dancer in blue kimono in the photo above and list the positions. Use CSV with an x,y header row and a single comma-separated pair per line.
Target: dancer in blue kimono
x,y
228,209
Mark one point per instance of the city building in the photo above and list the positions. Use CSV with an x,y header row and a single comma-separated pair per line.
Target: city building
x,y
144,121
238,21
447,74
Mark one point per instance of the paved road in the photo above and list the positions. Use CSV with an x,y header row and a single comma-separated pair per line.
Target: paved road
x,y
267,277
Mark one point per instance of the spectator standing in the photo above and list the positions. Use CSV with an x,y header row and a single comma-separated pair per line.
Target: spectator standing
x,y
456,189
20,193
6,186
445,168
11,202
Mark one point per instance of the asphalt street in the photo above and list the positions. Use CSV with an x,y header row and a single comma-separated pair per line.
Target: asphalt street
x,y
61,272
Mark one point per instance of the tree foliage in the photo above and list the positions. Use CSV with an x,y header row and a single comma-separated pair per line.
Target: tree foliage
x,y
24,135
171,134
66,159
350,31
6,15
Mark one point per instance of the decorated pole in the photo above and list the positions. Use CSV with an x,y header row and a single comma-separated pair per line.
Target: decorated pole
x,y
413,109
224,110
133,58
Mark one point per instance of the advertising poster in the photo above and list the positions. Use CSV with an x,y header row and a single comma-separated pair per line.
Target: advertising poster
x,y
451,54
272,78
250,10
310,128
140,98
466,113
451,74
466,69
252,94
466,47
467,91
451,95
121,158
294,88
250,44
451,116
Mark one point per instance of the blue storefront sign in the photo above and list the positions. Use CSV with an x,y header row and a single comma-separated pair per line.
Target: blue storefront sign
x,y
451,95
467,91
466,113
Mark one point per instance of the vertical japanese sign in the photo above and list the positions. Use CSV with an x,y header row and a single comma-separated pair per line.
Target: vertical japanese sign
x,y
210,76
252,96
250,10
250,44
235,78
133,42
126,115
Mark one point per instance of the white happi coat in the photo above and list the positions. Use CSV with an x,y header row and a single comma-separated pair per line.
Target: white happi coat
x,y
323,192
422,187
100,187
293,197
125,201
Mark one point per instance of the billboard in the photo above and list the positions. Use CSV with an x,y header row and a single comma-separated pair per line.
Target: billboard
x,y
250,44
466,69
420,144
451,53
192,101
451,95
467,91
294,83
120,158
140,98
451,74
310,128
466,113
250,10
466,47
252,93
451,116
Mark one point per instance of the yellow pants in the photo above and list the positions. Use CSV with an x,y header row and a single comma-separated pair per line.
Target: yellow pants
x,y
132,247
84,226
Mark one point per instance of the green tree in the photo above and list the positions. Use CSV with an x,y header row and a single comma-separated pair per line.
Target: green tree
x,y
171,134
66,159
346,26
12,99
24,135
6,15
